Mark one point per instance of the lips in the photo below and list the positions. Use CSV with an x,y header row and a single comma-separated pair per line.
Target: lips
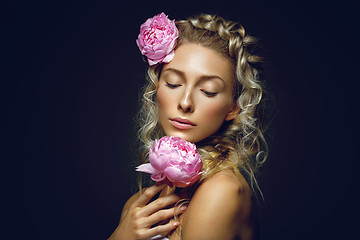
x,y
183,124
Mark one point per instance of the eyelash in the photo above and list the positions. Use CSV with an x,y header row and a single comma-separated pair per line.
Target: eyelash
x,y
207,93
172,85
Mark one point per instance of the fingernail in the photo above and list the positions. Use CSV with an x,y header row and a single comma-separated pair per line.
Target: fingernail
x,y
176,224
183,208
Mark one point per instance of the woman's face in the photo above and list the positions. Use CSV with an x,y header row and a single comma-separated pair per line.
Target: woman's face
x,y
195,93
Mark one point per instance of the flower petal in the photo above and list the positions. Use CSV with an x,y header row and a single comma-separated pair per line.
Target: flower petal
x,y
169,57
146,168
157,39
158,177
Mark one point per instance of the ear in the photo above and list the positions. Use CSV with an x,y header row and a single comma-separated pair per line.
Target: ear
x,y
234,111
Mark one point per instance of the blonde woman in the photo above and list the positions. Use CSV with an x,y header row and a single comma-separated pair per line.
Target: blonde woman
x,y
203,88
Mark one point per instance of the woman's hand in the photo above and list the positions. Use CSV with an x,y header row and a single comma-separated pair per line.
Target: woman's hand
x,y
138,218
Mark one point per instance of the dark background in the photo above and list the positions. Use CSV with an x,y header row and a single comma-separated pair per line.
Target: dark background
x,y
69,98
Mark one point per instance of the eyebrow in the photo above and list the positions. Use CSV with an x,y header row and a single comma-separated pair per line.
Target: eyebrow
x,y
202,77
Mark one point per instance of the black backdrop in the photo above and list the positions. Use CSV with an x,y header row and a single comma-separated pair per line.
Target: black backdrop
x,y
73,72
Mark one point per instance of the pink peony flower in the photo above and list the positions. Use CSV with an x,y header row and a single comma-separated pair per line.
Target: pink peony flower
x,y
175,160
157,39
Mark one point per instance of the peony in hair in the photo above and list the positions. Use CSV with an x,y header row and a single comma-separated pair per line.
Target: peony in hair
x,y
157,39
175,160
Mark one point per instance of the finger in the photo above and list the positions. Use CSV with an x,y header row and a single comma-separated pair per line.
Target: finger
x,y
163,215
161,229
148,194
159,203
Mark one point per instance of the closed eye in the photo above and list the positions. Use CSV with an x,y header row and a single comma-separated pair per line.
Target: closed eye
x,y
209,94
172,85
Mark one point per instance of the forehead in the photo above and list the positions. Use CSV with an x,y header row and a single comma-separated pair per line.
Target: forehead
x,y
196,60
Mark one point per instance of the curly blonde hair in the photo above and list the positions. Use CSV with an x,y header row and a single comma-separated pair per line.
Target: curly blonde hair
x,y
239,145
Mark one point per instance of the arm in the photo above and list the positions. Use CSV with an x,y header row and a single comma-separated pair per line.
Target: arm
x,y
139,216
220,207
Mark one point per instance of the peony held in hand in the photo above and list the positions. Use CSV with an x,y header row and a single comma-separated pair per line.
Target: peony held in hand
x,y
173,159
157,39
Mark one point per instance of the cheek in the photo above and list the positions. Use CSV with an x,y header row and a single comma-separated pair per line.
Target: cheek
x,y
215,111
163,99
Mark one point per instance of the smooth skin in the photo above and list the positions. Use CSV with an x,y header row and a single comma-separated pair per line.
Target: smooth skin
x,y
139,215
219,210
197,86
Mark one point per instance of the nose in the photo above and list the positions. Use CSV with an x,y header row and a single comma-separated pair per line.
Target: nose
x,y
186,104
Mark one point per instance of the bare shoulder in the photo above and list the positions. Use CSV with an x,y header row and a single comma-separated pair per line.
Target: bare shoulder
x,y
219,209
225,181
225,190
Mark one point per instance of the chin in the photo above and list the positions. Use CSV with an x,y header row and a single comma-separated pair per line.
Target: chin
x,y
187,136
182,136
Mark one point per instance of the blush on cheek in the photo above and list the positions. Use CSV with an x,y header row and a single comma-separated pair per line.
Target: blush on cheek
x,y
216,110
165,104
161,96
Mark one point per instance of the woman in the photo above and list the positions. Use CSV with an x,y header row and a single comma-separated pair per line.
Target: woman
x,y
205,90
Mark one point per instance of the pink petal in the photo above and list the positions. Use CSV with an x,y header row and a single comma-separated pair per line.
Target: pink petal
x,y
169,57
158,161
151,62
158,177
157,55
175,174
146,168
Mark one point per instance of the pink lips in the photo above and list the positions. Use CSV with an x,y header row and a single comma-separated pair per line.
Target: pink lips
x,y
181,123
